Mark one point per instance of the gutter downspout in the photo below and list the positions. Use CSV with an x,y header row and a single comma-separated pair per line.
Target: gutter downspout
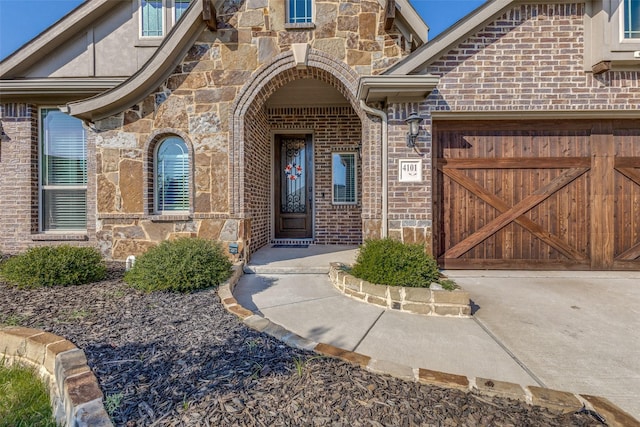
x,y
385,166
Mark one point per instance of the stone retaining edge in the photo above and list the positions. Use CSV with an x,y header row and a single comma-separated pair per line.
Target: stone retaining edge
x,y
554,400
424,301
76,398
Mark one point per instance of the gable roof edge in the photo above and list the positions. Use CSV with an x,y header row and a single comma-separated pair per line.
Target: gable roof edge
x,y
461,29
411,17
414,20
54,35
149,77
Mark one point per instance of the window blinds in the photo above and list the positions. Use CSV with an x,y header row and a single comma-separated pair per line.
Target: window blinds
x,y
172,176
63,172
344,178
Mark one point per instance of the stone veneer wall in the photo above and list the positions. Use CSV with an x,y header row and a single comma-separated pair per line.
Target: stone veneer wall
x,y
529,59
196,102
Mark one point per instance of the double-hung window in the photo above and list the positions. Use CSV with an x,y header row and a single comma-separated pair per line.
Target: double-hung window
x,y
344,178
631,19
151,18
171,176
299,11
63,172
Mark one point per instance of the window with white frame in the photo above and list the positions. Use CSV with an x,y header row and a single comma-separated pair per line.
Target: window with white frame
x,y
344,173
631,19
299,11
63,172
179,7
171,164
151,18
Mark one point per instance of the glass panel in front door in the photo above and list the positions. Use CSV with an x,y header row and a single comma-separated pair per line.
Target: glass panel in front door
x,y
294,189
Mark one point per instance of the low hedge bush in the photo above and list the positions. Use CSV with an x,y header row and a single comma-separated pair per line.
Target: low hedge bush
x,y
54,266
393,263
181,265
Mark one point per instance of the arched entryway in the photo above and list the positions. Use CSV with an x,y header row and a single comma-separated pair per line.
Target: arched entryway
x,y
296,153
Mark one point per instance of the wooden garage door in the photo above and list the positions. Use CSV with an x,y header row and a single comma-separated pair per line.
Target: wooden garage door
x,y
537,195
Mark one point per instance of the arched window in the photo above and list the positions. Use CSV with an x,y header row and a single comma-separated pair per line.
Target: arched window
x,y
171,167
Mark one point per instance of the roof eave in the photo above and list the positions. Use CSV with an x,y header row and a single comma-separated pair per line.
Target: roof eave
x,y
385,88
53,36
599,114
414,20
62,86
149,77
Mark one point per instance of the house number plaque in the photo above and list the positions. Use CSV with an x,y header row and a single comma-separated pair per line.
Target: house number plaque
x,y
410,170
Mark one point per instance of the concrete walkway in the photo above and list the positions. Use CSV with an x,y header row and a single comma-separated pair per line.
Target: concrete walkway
x,y
568,331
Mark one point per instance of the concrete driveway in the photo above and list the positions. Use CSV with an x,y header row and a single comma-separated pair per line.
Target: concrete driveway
x,y
573,331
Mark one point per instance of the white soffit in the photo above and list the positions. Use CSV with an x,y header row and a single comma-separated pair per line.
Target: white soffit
x,y
390,88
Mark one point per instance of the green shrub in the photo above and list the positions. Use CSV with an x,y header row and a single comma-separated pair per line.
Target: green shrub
x,y
24,400
448,284
54,266
181,265
389,262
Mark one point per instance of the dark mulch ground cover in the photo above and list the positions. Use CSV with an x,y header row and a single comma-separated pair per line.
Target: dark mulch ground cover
x,y
170,359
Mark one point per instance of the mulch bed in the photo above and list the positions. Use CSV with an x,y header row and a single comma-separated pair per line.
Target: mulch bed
x,y
178,359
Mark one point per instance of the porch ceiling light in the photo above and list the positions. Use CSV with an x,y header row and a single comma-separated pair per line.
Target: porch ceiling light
x,y
413,121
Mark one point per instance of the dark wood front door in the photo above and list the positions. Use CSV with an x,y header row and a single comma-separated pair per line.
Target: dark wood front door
x,y
294,194
545,195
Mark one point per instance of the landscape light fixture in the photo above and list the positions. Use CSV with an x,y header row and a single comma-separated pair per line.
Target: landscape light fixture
x,y
413,121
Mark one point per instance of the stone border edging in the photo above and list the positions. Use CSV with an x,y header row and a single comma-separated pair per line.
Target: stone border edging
x,y
551,399
424,301
76,398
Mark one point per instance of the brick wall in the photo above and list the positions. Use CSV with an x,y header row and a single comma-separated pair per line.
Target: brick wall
x,y
409,203
224,78
531,58
334,129
371,178
257,178
19,189
18,158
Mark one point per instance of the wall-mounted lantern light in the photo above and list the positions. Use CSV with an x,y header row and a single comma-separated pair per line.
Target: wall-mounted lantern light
x,y
414,128
3,136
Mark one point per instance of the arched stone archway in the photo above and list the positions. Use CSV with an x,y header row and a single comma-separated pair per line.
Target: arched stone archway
x,y
251,159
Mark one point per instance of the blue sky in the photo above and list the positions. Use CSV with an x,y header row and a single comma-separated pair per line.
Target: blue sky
x,y
22,20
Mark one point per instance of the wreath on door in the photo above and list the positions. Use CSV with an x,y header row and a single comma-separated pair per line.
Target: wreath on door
x,y
293,171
